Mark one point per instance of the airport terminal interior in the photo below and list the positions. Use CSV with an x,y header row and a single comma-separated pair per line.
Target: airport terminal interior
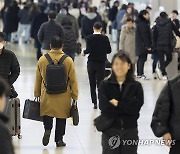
x,y
84,138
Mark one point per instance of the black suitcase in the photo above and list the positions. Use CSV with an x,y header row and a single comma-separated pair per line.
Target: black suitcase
x,y
13,113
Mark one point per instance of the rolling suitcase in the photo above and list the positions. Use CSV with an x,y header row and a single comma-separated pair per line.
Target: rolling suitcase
x,y
172,68
13,113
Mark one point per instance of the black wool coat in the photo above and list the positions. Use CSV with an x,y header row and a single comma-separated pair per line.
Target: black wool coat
x,y
143,36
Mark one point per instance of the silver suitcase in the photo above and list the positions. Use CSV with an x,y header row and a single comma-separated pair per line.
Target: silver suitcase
x,y
13,113
172,68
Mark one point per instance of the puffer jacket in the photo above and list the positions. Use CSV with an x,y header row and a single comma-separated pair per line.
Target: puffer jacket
x,y
70,44
166,117
164,32
47,31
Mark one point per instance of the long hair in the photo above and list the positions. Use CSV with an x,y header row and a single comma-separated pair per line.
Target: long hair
x,y
125,58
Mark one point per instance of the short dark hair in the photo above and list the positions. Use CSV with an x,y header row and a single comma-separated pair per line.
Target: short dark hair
x,y
2,36
148,7
98,25
163,15
124,7
56,42
130,20
124,57
116,2
52,15
91,9
142,13
3,87
175,11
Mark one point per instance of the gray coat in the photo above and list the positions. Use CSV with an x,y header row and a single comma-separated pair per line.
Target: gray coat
x,y
127,42
47,31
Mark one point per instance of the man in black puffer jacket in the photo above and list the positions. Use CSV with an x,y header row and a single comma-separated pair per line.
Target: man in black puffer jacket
x,y
48,30
166,117
143,41
162,40
9,65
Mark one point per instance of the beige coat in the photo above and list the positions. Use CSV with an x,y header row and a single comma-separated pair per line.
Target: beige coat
x,y
57,105
127,42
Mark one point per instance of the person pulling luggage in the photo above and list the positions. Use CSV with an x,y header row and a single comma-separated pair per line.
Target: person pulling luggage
x,y
9,65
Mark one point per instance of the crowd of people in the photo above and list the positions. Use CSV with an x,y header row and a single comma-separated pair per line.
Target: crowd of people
x,y
55,30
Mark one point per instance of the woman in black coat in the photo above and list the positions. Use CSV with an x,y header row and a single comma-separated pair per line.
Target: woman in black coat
x,y
37,21
120,101
70,42
143,41
11,20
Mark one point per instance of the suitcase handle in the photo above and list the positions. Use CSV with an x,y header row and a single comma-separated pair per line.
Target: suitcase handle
x,y
37,99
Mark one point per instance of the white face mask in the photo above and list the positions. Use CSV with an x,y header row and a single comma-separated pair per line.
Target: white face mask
x,y
1,46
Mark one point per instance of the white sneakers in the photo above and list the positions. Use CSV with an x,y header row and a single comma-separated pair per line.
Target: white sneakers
x,y
142,77
155,76
165,78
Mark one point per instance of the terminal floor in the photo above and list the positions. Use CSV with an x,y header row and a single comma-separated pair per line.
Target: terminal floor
x,y
83,139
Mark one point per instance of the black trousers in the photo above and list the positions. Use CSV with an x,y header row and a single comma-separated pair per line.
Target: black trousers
x,y
175,149
96,73
60,126
165,57
116,141
140,64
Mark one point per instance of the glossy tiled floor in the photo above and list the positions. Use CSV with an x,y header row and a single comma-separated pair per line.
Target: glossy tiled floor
x,y
82,139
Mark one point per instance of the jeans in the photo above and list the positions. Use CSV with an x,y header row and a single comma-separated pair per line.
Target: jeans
x,y
164,63
96,73
24,28
60,127
117,141
155,58
140,64
175,149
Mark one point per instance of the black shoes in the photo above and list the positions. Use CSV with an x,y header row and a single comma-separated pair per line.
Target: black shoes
x,y
60,144
46,137
95,106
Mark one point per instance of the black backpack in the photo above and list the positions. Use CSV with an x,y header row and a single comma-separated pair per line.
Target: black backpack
x,y
56,79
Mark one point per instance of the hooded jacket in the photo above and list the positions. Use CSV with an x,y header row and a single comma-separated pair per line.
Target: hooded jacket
x,y
163,33
88,22
143,35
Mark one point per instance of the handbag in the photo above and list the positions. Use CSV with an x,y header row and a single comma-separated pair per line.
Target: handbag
x,y
74,113
32,110
103,122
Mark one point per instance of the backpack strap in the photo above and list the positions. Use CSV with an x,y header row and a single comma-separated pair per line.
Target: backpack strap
x,y
62,59
49,58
